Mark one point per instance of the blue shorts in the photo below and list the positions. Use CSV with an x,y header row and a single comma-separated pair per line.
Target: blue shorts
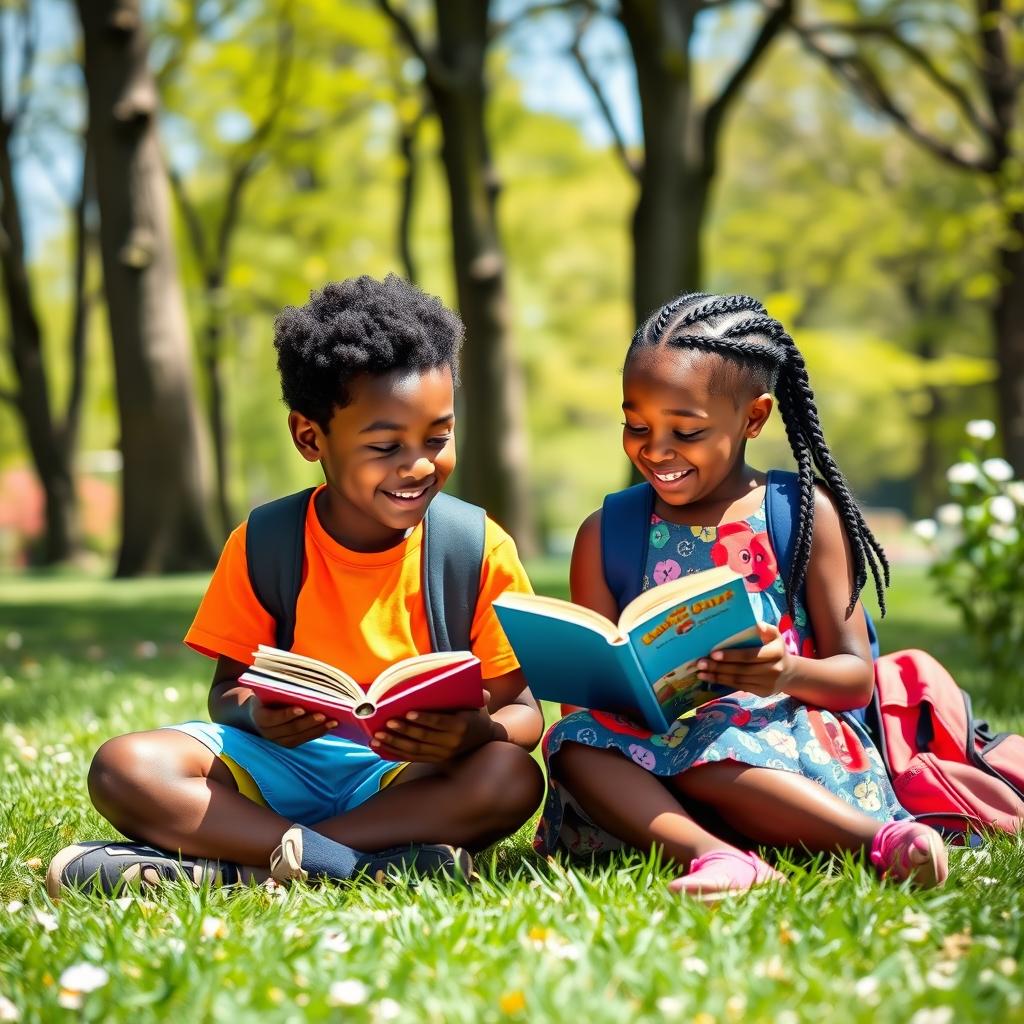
x,y
319,779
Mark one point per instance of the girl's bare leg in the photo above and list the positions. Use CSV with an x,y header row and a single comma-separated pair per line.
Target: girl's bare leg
x,y
631,803
777,807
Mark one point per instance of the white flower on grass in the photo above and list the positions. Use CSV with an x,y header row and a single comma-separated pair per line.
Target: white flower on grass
x,y
350,992
933,1015
213,928
981,430
14,906
63,757
998,469
1003,534
1002,509
1015,489
335,942
176,945
866,989
926,529
950,514
695,965
170,695
963,473
78,981
8,1011
670,1006
13,641
386,1009
45,921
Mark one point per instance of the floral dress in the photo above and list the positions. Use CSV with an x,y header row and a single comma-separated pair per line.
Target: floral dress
x,y
768,732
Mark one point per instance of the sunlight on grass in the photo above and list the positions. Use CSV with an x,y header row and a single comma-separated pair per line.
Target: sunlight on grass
x,y
81,660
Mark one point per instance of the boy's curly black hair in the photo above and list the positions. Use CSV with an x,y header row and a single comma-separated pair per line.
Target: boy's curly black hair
x,y
358,326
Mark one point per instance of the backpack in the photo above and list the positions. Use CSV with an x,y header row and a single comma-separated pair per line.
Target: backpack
x,y
946,766
451,559
626,517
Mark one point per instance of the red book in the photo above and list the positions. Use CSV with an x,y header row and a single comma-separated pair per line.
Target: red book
x,y
441,681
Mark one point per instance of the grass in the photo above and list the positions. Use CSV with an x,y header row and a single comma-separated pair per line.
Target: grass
x,y
83,659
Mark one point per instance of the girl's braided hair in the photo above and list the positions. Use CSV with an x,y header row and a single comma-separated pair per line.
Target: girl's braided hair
x,y
738,329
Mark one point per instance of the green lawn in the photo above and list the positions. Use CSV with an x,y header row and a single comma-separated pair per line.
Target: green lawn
x,y
81,660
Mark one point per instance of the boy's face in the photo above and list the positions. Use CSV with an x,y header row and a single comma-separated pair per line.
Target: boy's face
x,y
385,456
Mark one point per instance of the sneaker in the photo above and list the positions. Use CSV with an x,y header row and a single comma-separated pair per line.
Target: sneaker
x,y
722,873
908,849
391,864
422,860
110,867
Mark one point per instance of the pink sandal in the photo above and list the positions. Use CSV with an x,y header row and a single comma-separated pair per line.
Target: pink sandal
x,y
908,849
721,872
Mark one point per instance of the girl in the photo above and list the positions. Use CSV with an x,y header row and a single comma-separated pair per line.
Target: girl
x,y
771,763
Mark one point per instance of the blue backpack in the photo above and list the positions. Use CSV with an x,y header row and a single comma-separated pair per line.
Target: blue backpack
x,y
452,557
625,527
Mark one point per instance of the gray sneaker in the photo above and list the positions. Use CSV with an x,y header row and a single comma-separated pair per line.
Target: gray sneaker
x,y
111,867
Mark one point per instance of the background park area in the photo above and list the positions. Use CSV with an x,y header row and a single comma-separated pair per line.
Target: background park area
x,y
172,174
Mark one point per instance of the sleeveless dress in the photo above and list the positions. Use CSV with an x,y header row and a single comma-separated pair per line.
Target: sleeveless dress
x,y
769,732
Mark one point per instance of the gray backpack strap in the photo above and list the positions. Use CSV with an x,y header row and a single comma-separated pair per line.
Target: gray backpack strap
x,y
274,552
452,557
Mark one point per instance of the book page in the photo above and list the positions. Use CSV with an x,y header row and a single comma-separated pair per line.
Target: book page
x,y
651,603
306,671
409,668
565,610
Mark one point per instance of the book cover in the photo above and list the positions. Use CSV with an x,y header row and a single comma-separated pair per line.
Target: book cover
x,y
647,672
454,685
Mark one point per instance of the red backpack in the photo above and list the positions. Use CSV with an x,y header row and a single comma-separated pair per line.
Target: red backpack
x,y
945,765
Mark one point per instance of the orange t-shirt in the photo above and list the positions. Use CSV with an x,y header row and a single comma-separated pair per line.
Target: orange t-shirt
x,y
359,611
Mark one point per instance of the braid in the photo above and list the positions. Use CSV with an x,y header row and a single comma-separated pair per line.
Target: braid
x,y
762,340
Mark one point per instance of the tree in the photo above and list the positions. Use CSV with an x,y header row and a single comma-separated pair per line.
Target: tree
x,y
492,439
51,439
165,488
968,56
681,132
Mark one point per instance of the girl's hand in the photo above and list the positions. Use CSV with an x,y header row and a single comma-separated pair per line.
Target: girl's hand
x,y
287,726
764,671
434,736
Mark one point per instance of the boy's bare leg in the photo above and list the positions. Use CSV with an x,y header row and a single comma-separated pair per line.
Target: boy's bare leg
x,y
631,803
168,789
778,807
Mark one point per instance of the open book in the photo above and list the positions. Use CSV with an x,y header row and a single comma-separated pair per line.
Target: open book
x,y
643,666
441,681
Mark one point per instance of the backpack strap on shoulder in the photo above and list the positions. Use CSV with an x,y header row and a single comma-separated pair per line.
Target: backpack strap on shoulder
x,y
781,508
625,527
274,552
452,558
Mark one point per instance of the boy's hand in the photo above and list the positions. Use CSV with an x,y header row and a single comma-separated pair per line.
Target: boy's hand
x,y
764,671
288,727
434,736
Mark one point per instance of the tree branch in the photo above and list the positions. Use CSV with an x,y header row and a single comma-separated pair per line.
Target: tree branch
x,y
633,167
437,74
774,22
865,82
10,397
890,33
193,224
499,28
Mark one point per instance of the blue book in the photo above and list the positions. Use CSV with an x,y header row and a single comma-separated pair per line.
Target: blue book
x,y
643,666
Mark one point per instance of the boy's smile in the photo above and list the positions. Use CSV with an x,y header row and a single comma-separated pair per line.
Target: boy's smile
x,y
384,456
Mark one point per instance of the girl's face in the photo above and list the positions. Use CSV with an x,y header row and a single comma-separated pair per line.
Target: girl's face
x,y
686,442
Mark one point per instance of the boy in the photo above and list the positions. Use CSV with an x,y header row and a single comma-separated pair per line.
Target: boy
x,y
368,371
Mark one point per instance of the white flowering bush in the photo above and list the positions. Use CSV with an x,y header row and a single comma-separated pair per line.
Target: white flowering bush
x,y
978,541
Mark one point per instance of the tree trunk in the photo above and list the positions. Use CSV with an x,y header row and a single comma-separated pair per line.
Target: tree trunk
x,y
50,457
676,174
1008,324
492,448
165,488
213,345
